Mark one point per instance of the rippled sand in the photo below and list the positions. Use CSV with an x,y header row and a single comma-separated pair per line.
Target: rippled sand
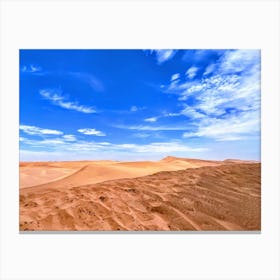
x,y
171,194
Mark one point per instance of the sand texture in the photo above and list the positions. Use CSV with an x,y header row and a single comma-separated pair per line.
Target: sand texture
x,y
170,194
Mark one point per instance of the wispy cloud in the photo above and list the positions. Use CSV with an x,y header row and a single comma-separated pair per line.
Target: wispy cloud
x,y
152,128
191,72
150,134
59,144
69,137
163,55
33,69
190,112
136,108
133,109
175,76
230,128
90,79
209,69
160,147
68,143
239,60
91,131
153,119
224,105
141,135
56,97
87,78
34,130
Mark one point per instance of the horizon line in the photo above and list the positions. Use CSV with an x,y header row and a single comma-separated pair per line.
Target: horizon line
x,y
141,160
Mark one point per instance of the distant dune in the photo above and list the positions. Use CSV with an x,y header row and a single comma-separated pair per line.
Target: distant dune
x,y
170,194
58,174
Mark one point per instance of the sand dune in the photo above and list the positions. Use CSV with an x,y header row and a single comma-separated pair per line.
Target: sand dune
x,y
53,175
32,176
216,196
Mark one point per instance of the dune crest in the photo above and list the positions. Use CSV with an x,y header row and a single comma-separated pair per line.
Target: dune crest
x,y
57,174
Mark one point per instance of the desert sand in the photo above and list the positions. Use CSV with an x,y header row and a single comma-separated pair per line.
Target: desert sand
x,y
170,194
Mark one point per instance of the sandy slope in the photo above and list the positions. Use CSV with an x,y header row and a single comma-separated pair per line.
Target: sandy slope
x,y
37,173
32,176
53,174
218,196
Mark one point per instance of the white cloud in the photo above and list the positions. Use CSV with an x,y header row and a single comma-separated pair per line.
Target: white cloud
x,y
151,128
171,114
69,137
229,95
233,127
34,130
209,69
135,108
175,77
85,146
31,69
229,138
188,111
44,143
153,119
191,72
239,60
118,154
160,147
57,99
52,141
191,112
141,135
68,147
91,131
163,55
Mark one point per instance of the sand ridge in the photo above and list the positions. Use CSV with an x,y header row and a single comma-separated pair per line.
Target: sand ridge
x,y
85,172
212,196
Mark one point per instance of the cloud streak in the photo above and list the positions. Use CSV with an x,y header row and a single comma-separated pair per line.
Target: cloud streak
x,y
91,131
57,141
69,137
60,144
153,119
58,99
31,69
152,128
89,79
136,109
163,55
191,72
34,130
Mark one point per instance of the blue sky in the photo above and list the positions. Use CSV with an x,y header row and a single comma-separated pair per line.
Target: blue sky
x,y
139,104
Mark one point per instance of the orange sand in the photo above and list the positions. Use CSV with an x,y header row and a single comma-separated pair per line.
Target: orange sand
x,y
181,194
